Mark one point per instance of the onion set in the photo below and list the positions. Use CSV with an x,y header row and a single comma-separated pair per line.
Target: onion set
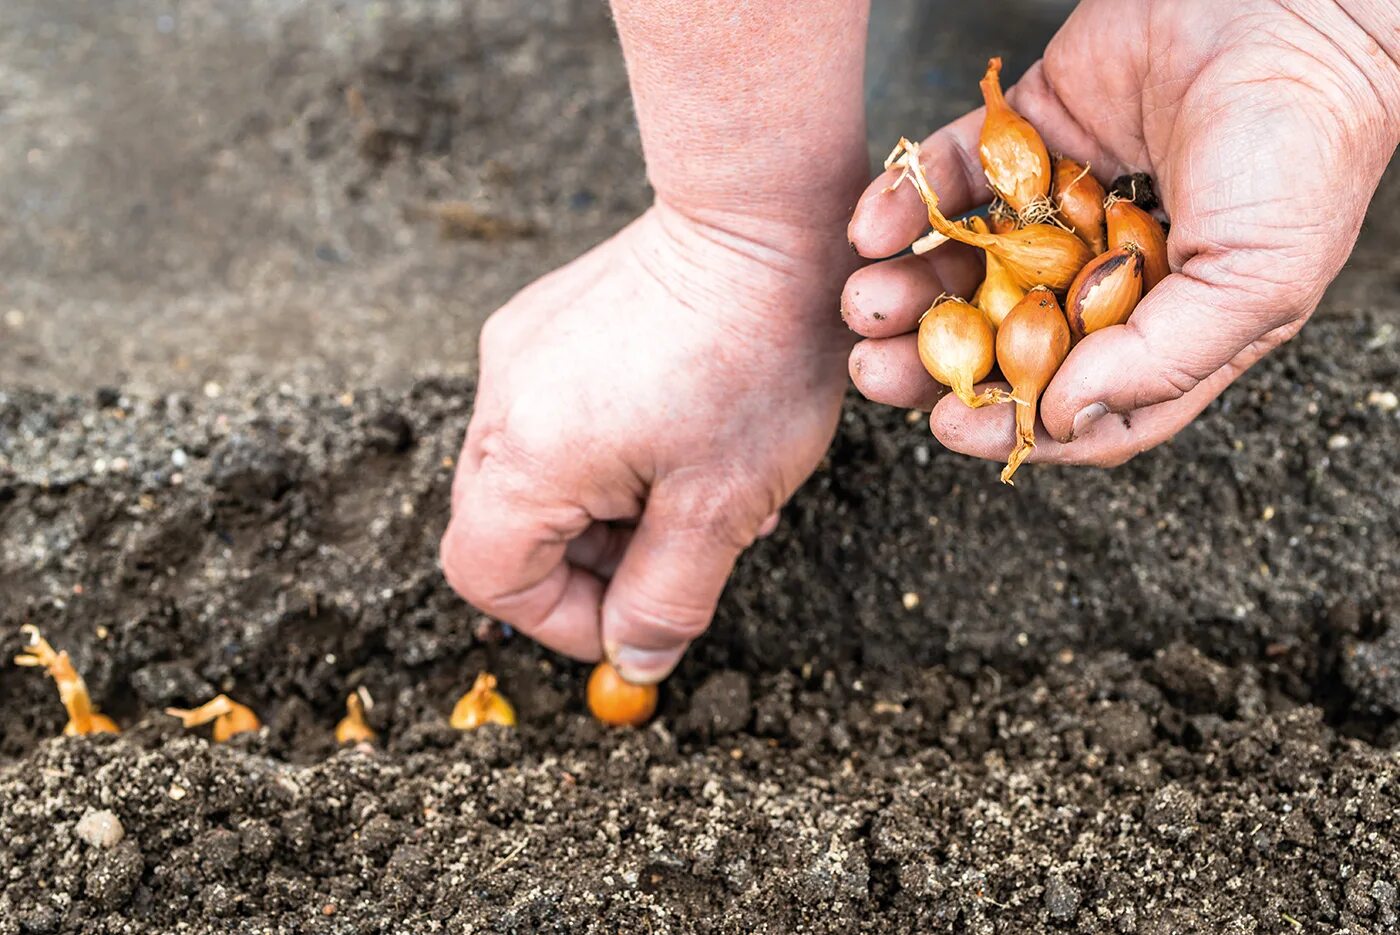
x,y
230,718
1031,345
618,702
1014,157
999,291
957,345
1037,254
354,727
1106,291
83,717
482,705
1050,232
1127,223
1078,197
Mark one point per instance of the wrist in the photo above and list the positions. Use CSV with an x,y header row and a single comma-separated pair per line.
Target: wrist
x,y
799,208
768,278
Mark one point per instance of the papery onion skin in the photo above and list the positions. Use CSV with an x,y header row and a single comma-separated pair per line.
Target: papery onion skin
x,y
1127,223
957,346
618,702
1106,291
1079,198
999,291
1032,343
1037,254
1014,157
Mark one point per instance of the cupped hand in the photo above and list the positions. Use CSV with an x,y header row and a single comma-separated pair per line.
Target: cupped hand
x,y
641,415
1266,125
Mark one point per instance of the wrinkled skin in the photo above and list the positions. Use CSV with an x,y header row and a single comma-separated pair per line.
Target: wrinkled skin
x,y
1267,130
674,378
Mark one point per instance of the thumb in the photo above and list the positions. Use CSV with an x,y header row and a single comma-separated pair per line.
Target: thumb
x,y
1182,333
665,590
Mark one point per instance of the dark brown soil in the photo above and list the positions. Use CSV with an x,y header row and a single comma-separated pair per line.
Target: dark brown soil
x,y
1160,699
1156,700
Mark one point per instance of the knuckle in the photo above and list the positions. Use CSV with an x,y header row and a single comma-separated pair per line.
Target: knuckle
x,y
676,620
725,509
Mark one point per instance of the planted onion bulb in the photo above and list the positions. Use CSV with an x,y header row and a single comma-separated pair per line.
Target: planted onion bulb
x,y
1079,198
1106,291
999,291
616,701
1127,223
83,718
1014,156
1039,254
482,705
230,718
1031,344
354,728
957,346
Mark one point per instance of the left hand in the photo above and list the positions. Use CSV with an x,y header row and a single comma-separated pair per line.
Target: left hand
x,y
1266,128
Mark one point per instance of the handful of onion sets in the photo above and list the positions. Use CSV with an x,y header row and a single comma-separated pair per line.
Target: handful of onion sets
x,y
1052,233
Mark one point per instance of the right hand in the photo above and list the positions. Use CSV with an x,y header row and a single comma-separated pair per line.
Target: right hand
x,y
641,416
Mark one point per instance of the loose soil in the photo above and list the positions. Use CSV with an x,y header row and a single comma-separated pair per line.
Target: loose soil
x,y
1160,699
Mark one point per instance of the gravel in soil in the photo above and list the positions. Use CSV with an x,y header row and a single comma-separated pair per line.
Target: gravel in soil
x,y
1158,699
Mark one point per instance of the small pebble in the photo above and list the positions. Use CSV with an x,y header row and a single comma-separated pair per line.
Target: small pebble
x,y
100,829
179,458
14,318
911,600
1268,514
1337,442
1061,899
212,390
1384,400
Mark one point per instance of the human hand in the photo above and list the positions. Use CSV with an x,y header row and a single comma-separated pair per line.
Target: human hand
x,y
641,415
1267,126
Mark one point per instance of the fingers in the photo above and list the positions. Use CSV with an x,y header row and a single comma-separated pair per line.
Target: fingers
x,y
600,548
885,221
1184,331
886,299
665,591
505,552
888,371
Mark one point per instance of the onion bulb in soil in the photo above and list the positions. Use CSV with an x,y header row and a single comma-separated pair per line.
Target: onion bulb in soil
x,y
616,701
957,345
1079,198
1106,291
83,717
999,291
1031,344
1040,254
1127,223
482,705
1014,156
230,718
354,728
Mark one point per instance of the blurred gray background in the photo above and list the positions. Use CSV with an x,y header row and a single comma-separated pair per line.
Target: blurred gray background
x,y
230,191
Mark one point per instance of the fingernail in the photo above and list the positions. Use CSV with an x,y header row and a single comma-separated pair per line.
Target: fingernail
x,y
644,666
1085,419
